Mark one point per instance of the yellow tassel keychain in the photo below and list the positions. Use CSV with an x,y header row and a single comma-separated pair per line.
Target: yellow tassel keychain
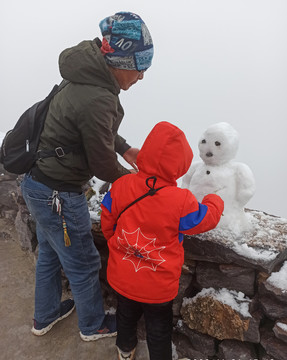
x,y
66,236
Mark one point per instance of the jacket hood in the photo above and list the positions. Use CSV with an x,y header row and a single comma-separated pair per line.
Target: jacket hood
x,y
85,64
165,153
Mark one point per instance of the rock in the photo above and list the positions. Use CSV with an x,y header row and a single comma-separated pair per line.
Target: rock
x,y
262,354
263,249
265,288
8,191
200,342
244,351
273,308
26,230
185,349
232,277
273,346
280,330
205,314
184,283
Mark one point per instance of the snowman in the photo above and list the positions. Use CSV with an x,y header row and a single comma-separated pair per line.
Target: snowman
x,y
218,173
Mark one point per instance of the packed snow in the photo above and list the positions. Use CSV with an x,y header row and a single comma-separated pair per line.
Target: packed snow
x,y
257,254
219,174
264,241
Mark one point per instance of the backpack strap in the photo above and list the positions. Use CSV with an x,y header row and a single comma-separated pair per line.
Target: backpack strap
x,y
59,151
151,192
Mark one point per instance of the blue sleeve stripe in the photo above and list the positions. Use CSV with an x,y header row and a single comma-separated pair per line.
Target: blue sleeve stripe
x,y
180,237
107,201
193,219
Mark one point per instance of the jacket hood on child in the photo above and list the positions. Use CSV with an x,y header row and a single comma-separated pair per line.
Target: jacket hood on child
x,y
165,153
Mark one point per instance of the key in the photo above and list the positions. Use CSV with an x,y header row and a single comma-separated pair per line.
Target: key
x,y
56,202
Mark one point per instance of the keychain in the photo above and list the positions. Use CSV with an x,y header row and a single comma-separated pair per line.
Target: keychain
x,y
57,202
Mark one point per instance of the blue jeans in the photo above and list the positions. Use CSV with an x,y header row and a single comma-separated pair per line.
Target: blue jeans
x,y
80,261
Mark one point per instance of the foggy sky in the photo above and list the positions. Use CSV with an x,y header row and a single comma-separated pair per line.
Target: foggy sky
x,y
215,60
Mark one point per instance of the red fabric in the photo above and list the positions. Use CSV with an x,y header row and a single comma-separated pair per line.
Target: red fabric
x,y
146,254
106,47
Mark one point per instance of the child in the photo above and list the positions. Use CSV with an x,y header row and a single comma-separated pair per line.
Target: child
x,y
145,240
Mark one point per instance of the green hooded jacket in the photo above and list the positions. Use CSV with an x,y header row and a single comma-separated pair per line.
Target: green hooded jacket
x,y
87,111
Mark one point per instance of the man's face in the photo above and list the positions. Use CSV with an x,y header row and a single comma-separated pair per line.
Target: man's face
x,y
127,78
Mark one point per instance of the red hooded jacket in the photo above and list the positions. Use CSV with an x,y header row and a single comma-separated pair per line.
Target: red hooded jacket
x,y
145,243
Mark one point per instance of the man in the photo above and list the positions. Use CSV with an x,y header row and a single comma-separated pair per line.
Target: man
x,y
81,126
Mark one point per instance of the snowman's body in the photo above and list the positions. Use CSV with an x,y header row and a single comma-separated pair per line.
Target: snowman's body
x,y
220,174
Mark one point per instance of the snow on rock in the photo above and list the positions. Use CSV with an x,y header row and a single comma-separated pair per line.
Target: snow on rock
x,y
280,331
222,314
282,326
279,279
263,245
255,254
218,173
236,300
96,199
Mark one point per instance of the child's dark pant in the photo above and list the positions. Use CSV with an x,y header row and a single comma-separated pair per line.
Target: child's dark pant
x,y
158,323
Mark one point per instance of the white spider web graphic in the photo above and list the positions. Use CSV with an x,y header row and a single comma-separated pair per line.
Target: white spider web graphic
x,y
140,250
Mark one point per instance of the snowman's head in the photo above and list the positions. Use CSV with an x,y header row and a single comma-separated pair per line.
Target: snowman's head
x,y
218,144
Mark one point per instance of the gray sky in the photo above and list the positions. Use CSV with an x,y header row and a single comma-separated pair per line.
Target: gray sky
x,y
215,60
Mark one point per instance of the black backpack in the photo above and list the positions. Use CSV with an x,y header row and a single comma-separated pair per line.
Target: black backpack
x,y
19,147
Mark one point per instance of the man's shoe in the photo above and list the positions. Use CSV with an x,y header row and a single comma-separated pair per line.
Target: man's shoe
x,y
67,307
126,355
107,329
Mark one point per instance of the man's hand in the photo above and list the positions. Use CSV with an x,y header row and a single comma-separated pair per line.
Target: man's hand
x,y
130,157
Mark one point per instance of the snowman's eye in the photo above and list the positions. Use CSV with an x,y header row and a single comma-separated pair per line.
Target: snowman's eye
x,y
203,141
217,143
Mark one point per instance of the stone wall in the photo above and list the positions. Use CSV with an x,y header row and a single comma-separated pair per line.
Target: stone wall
x,y
226,307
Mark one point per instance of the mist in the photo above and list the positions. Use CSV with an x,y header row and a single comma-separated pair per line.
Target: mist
x,y
215,60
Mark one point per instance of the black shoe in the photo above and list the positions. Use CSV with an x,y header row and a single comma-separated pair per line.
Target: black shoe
x,y
67,307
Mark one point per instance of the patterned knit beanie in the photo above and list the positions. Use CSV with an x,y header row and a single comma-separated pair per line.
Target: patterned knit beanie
x,y
127,43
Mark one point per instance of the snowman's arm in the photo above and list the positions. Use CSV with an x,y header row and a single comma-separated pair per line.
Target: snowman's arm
x,y
245,183
198,217
188,176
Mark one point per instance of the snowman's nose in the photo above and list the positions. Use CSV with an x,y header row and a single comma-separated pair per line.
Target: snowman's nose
x,y
209,154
